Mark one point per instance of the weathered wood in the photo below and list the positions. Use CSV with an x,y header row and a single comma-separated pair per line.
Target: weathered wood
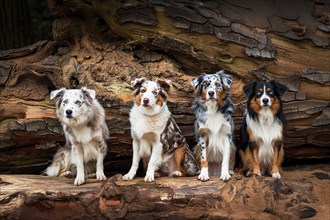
x,y
104,45
301,193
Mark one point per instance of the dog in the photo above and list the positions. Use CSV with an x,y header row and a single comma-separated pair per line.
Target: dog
x,y
61,165
261,133
214,125
85,129
156,136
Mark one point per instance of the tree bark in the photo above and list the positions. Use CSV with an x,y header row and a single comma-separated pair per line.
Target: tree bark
x,y
301,193
106,44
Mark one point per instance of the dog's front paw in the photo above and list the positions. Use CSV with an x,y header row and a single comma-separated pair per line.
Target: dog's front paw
x,y
176,174
67,174
79,181
128,176
101,176
225,176
149,178
204,175
276,175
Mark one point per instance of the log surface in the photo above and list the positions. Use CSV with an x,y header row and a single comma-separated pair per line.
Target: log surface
x,y
302,193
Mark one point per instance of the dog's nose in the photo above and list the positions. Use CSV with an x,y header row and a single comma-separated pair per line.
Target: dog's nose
x,y
211,93
265,100
145,101
68,112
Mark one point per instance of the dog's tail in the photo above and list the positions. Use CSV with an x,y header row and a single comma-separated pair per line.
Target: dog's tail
x,y
60,164
190,164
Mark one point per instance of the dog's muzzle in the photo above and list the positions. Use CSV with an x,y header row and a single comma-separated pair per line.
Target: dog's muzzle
x,y
265,102
68,113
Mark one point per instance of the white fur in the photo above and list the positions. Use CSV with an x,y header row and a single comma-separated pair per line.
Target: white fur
x,y
146,129
265,131
265,96
219,143
87,141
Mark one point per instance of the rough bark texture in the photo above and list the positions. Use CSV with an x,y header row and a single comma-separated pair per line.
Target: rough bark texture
x,y
106,44
301,194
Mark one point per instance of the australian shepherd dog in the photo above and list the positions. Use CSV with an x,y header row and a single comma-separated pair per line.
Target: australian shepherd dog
x,y
214,125
83,121
156,136
261,134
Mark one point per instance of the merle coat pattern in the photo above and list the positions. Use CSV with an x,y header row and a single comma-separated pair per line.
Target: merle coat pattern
x,y
156,137
83,121
214,125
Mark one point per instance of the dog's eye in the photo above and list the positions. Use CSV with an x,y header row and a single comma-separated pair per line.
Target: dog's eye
x,y
206,83
65,101
154,92
258,93
217,85
77,102
271,93
142,90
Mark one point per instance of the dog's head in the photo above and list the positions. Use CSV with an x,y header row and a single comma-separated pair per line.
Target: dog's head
x,y
150,94
72,104
264,94
212,86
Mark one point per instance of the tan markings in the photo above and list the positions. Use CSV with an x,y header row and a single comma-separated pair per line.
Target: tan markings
x,y
198,152
260,90
255,161
203,95
250,133
278,156
247,159
203,132
204,164
221,96
254,104
160,100
275,106
268,89
138,99
179,154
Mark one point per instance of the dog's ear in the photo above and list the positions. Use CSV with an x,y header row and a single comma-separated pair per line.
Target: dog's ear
x,y
225,78
197,82
165,84
57,93
136,84
280,88
248,89
89,92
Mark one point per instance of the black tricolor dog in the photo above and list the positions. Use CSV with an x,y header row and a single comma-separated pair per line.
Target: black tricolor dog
x,y
261,135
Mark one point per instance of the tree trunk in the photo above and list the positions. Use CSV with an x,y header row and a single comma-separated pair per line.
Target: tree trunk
x,y
106,44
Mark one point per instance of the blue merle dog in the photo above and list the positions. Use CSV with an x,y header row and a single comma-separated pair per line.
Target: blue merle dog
x,y
214,125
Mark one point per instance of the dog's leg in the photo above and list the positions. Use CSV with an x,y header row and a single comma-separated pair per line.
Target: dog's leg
x,y
79,156
99,161
204,175
135,161
225,160
255,158
232,159
277,159
154,162
179,155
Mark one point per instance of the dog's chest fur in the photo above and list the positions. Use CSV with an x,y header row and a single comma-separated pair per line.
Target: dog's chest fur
x,y
147,127
265,131
85,136
218,128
